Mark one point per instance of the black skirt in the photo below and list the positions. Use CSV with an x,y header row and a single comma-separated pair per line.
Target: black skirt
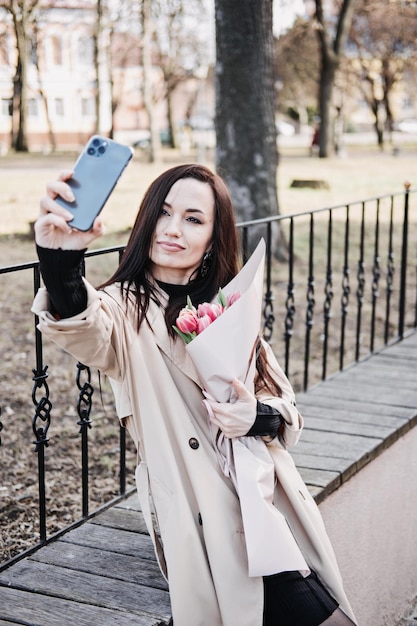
x,y
292,600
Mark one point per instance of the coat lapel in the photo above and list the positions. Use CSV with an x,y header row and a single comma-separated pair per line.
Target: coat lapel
x,y
174,350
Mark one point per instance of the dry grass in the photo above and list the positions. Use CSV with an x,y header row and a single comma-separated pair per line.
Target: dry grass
x,y
364,173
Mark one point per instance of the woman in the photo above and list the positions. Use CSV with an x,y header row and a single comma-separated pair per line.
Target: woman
x,y
184,243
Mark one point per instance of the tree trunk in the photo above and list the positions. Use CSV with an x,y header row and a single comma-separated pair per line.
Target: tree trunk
x,y
155,144
171,129
19,120
51,135
327,76
97,41
246,152
331,51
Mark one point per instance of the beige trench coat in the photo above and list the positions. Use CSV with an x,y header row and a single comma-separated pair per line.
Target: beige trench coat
x,y
199,540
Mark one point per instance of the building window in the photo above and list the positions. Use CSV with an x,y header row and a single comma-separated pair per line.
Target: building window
x,y
85,50
4,49
407,103
87,107
59,107
56,48
6,107
33,107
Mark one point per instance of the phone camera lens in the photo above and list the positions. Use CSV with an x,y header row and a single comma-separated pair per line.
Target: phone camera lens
x,y
102,149
91,151
96,142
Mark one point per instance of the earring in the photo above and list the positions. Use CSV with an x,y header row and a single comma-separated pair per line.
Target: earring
x,y
206,263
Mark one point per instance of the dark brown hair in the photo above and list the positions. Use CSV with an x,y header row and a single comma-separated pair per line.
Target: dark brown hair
x,y
133,271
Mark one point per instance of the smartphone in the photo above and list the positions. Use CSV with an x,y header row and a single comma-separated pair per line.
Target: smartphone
x,y
96,172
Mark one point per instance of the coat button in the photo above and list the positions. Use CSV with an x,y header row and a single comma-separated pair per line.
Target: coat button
x,y
193,443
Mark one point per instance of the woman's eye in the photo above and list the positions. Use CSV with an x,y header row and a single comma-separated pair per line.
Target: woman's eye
x,y
164,212
195,220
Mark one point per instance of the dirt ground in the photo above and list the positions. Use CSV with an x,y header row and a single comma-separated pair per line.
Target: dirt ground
x,y
22,181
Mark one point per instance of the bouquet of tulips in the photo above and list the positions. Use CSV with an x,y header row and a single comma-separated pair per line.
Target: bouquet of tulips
x,y
192,321
221,338
222,335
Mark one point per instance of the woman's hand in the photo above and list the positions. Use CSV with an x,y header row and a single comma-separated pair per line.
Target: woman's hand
x,y
52,229
234,418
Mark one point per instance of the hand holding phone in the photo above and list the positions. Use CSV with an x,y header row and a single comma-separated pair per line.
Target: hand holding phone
x,y
96,173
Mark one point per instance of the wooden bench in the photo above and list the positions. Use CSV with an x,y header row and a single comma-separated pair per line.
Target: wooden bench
x,y
104,572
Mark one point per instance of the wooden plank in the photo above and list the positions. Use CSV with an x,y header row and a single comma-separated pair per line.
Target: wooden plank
x,y
102,563
320,462
377,375
401,355
392,418
125,542
337,445
383,396
132,503
123,519
318,477
347,427
23,607
353,403
60,582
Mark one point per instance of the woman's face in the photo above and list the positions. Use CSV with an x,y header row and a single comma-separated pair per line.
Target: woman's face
x,y
183,232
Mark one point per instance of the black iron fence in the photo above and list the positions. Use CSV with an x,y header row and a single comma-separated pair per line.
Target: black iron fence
x,y
347,288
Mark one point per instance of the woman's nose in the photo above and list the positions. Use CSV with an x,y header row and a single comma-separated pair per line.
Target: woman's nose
x,y
173,226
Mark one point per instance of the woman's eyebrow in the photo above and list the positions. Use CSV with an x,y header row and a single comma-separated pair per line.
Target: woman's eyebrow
x,y
190,210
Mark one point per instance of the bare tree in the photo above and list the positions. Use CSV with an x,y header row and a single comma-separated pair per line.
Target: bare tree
x,y
36,41
297,68
147,37
97,40
123,50
246,153
180,45
332,32
384,35
21,12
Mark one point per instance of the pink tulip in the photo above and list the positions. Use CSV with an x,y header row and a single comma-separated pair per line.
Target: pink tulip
x,y
203,323
187,321
232,297
211,310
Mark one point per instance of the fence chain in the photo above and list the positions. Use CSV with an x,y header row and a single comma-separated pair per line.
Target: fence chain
x,y
269,317
290,310
1,426
310,302
85,397
42,409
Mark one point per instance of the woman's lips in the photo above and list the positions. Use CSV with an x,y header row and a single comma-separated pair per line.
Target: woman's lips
x,y
170,247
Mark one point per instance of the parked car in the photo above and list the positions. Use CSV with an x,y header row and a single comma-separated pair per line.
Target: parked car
x,y
284,128
143,140
408,126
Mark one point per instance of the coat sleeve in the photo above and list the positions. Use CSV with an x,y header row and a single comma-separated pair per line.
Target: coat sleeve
x,y
95,336
290,431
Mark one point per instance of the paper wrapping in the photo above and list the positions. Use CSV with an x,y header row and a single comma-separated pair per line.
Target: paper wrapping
x,y
223,351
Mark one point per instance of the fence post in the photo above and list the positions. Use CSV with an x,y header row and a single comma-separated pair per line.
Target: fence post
x,y
403,275
43,409
84,409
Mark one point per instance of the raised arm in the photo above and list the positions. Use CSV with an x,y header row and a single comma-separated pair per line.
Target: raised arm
x,y
61,250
